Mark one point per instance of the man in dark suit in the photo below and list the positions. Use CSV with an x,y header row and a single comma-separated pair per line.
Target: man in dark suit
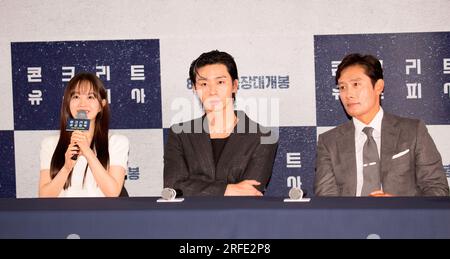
x,y
223,152
376,153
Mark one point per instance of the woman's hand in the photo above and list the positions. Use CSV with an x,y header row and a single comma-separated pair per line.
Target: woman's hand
x,y
70,152
81,139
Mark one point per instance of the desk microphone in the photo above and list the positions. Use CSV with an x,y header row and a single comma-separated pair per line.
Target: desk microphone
x,y
80,122
170,194
295,193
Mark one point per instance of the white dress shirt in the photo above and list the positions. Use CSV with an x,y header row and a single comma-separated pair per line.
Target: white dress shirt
x,y
360,139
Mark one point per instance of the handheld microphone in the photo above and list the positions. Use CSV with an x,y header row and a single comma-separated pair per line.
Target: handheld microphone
x,y
80,122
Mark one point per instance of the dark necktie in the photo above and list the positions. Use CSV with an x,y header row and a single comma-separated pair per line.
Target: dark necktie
x,y
371,164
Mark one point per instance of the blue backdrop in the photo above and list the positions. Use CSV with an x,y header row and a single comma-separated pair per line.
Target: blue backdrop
x,y
416,69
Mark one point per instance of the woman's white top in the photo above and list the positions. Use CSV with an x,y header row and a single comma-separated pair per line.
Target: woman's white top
x,y
118,156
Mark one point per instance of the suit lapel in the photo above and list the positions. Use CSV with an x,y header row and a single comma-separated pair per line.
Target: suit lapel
x,y
389,139
346,154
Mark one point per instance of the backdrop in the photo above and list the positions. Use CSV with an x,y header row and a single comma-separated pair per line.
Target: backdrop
x,y
287,53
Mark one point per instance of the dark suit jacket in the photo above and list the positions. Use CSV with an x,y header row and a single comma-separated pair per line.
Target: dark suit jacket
x,y
189,164
417,172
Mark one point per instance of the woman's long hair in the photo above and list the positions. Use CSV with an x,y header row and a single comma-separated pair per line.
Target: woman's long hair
x,y
100,138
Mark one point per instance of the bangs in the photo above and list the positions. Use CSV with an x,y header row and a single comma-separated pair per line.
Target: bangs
x,y
84,87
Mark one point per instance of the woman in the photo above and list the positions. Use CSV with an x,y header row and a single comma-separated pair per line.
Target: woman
x,y
222,152
84,163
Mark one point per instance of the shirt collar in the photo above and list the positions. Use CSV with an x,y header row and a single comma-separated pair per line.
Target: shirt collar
x,y
375,124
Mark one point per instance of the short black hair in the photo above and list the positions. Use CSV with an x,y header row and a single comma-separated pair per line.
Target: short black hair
x,y
371,65
211,58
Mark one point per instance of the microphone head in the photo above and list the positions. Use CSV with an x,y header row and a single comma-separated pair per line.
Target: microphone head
x,y
168,194
295,193
80,122
81,115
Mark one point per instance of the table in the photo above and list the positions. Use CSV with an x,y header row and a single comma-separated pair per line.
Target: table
x,y
225,218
